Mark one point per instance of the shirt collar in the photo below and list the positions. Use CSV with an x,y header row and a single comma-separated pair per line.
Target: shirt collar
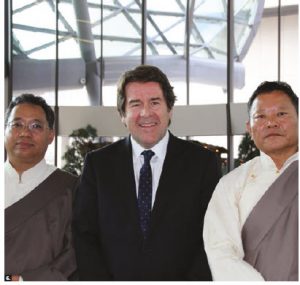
x,y
160,149
30,173
291,159
268,162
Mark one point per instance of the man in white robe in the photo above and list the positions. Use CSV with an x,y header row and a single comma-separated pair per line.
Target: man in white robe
x,y
38,197
241,194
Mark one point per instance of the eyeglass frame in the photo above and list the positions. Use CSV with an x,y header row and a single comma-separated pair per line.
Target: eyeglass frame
x,y
30,126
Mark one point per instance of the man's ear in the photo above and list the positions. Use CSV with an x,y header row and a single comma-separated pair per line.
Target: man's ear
x,y
248,127
123,120
51,136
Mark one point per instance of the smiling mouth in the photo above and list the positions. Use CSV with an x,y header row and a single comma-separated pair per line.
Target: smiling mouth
x,y
147,125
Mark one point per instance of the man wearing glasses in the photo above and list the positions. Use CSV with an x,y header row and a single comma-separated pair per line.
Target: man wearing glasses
x,y
38,197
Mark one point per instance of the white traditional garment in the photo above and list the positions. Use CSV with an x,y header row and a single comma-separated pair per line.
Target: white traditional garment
x,y
233,200
18,186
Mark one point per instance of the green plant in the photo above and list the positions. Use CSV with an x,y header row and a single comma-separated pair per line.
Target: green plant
x,y
247,149
82,141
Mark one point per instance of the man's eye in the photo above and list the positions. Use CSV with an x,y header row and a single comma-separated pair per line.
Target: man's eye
x,y
17,125
280,114
36,126
258,116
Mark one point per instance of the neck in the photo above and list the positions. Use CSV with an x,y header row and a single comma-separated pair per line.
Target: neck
x,y
280,159
21,167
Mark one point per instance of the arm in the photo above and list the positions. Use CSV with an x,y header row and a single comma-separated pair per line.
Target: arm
x,y
200,269
58,270
89,254
222,239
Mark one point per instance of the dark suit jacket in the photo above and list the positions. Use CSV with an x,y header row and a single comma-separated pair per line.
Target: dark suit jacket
x,y
108,240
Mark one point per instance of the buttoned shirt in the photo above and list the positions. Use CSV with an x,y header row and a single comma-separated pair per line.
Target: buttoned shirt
x,y
233,200
18,186
156,162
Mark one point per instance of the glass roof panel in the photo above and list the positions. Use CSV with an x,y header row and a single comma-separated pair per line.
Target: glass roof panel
x,y
168,6
19,4
112,48
68,14
39,39
35,16
122,27
208,30
214,9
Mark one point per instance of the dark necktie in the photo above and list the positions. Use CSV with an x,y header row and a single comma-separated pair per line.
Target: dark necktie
x,y
145,192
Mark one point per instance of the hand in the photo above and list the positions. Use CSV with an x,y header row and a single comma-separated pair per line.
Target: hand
x,y
15,277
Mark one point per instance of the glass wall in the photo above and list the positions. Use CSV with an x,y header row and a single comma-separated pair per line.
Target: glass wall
x,y
73,54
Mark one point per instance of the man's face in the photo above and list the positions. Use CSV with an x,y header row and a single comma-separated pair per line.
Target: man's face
x,y
26,147
146,113
274,124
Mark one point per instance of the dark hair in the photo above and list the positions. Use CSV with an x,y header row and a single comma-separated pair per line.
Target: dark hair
x,y
270,86
144,73
34,100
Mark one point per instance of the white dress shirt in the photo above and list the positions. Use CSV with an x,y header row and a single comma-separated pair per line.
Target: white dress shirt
x,y
233,200
18,186
156,162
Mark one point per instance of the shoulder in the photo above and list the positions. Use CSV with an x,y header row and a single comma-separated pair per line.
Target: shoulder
x,y
110,149
108,155
190,147
63,177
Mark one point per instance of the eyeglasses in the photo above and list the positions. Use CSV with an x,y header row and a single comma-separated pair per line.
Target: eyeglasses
x,y
34,127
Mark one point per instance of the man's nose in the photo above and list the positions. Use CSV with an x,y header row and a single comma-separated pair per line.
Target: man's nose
x,y
272,122
25,131
146,110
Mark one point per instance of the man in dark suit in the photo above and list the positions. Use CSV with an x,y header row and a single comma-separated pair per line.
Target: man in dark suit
x,y
141,201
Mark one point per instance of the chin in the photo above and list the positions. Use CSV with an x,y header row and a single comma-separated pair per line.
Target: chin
x,y
148,144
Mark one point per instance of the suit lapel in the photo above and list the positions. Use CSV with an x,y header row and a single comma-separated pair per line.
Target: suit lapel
x,y
166,187
125,172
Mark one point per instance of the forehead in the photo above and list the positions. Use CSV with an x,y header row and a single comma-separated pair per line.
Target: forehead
x,y
27,111
143,89
274,99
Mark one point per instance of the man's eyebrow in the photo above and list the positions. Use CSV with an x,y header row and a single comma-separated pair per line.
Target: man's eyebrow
x,y
134,101
282,107
22,119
